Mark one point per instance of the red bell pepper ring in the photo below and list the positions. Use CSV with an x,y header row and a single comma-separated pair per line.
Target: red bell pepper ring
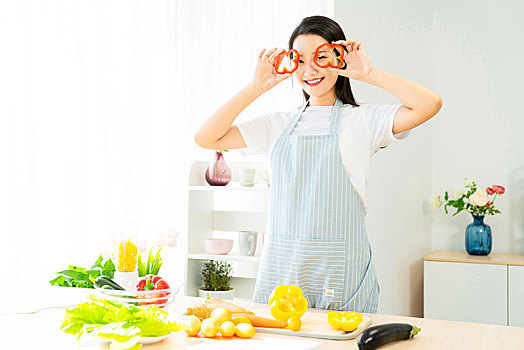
x,y
283,69
153,283
331,47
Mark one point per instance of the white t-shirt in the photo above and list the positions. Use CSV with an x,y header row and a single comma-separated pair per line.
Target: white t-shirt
x,y
363,131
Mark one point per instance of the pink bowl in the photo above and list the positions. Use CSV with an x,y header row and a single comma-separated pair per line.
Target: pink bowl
x,y
218,246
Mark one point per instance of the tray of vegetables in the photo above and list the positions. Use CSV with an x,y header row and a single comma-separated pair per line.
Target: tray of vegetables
x,y
134,280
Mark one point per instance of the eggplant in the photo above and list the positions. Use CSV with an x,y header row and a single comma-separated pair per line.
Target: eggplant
x,y
375,337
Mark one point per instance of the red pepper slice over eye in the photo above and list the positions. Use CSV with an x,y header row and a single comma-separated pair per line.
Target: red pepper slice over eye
x,y
283,69
331,47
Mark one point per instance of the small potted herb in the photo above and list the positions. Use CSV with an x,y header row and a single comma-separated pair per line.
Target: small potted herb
x,y
216,276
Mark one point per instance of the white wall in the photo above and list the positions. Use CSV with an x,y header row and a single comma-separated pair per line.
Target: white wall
x,y
478,55
468,53
396,41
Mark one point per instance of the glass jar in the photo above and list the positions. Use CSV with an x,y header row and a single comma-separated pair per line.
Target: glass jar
x,y
127,257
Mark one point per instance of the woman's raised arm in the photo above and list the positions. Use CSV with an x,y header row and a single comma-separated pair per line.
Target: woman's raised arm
x,y
217,132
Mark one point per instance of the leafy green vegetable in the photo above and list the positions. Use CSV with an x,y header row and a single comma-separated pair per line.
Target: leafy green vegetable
x,y
121,323
109,269
80,277
216,275
153,265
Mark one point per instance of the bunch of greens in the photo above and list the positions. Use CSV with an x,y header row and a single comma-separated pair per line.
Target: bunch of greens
x,y
120,323
216,275
152,266
80,277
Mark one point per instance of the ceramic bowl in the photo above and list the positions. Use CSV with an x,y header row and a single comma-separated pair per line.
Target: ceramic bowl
x,y
218,246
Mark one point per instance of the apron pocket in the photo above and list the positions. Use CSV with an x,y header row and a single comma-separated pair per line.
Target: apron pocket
x,y
317,267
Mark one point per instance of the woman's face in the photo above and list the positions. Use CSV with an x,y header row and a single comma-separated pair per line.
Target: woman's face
x,y
319,83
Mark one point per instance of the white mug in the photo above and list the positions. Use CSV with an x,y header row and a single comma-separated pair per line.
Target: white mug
x,y
247,242
246,176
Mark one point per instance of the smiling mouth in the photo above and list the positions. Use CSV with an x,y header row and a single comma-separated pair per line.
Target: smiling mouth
x,y
313,82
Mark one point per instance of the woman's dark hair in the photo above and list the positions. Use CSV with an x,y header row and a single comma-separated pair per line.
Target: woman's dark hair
x,y
331,31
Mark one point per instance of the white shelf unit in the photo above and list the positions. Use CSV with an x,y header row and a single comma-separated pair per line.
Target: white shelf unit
x,y
221,212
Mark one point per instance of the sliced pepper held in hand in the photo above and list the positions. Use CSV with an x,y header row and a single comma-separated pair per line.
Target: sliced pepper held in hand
x,y
287,301
346,321
153,283
290,64
324,60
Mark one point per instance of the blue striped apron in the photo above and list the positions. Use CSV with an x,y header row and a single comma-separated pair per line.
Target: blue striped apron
x,y
316,237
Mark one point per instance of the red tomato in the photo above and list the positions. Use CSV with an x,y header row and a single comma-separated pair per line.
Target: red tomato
x,y
153,283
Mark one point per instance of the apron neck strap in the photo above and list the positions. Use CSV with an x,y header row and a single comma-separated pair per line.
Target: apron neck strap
x,y
334,120
294,122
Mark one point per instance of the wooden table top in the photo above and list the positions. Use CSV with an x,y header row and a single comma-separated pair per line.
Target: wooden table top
x,y
41,330
463,257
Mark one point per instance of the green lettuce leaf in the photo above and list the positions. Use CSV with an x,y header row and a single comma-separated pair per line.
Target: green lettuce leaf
x,y
117,331
115,321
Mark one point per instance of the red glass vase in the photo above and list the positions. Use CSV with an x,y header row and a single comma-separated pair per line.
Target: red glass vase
x,y
218,173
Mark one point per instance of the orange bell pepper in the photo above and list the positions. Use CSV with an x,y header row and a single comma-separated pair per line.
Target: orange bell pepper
x,y
287,301
346,321
331,47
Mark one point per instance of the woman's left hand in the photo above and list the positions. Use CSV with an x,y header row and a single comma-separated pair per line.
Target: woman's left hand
x,y
358,65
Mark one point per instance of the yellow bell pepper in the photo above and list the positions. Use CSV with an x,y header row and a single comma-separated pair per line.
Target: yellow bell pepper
x,y
287,301
127,256
346,321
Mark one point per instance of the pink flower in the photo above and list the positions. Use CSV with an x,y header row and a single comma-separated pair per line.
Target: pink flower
x,y
498,189
490,191
488,204
161,239
171,239
142,245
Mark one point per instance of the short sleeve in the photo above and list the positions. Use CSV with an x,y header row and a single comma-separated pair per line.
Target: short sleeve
x,y
256,133
380,122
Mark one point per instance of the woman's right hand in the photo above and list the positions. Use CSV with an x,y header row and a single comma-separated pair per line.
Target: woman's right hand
x,y
265,76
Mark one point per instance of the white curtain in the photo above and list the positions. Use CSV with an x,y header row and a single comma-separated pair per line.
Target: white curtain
x,y
218,43
99,102
87,129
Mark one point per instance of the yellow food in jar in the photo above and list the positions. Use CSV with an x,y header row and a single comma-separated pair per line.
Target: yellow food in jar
x,y
127,256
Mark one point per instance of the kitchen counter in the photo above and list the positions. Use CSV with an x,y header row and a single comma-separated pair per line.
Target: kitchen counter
x,y
41,330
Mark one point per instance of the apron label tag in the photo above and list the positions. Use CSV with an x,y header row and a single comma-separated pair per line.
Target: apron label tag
x,y
328,292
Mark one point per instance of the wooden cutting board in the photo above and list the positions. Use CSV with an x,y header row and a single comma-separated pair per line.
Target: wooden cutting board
x,y
315,325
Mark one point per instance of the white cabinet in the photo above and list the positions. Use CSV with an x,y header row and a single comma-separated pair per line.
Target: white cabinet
x,y
516,295
483,289
465,292
221,212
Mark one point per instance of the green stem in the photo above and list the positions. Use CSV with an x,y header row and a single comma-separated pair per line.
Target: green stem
x,y
414,331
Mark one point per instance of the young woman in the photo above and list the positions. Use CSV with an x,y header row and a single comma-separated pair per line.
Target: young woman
x,y
319,156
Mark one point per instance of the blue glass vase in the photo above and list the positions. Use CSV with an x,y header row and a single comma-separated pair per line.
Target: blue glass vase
x,y
478,237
